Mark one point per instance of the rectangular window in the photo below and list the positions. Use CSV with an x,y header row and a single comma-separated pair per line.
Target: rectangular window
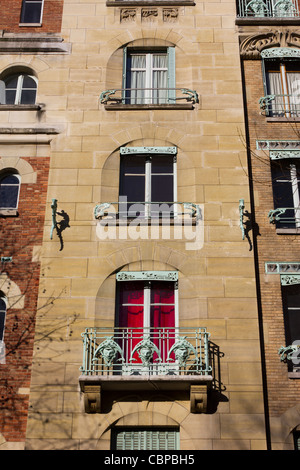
x,y
32,11
147,311
291,311
149,77
147,179
283,81
285,181
145,439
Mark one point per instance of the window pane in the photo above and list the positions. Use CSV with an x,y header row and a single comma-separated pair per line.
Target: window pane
x,y
2,318
162,317
9,192
28,97
31,11
145,439
283,192
132,184
29,82
162,164
12,82
291,303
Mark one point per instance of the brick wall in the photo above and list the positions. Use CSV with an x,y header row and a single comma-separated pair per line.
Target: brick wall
x,y
283,393
19,235
11,11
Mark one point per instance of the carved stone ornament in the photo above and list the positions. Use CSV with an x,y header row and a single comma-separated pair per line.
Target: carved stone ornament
x,y
127,14
92,398
252,46
170,15
198,398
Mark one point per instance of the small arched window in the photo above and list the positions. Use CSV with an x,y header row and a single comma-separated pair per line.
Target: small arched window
x,y
9,190
20,89
2,317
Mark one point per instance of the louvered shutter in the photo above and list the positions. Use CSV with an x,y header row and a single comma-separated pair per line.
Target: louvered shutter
x,y
146,439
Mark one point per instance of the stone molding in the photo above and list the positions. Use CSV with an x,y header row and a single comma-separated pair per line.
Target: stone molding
x,y
252,46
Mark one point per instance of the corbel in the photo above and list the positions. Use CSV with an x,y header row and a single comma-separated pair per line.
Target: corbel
x,y
198,398
92,398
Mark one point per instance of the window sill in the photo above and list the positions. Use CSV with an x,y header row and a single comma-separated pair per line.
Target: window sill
x,y
288,231
32,25
267,21
294,375
143,3
8,213
143,107
21,107
283,119
151,221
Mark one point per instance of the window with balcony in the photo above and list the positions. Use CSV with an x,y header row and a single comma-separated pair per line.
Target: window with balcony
x,y
285,182
148,81
148,438
281,73
32,11
149,77
147,183
9,191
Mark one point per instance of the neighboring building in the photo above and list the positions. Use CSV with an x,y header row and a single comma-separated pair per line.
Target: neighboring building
x,y
270,65
148,331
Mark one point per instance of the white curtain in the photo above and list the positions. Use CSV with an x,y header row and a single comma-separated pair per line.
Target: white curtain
x,y
293,84
160,79
278,105
138,79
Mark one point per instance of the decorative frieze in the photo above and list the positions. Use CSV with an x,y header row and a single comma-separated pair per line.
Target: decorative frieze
x,y
282,268
252,46
169,15
147,276
278,145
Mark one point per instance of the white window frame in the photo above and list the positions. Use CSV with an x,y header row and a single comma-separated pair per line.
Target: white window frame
x,y
28,2
294,180
148,151
19,88
4,175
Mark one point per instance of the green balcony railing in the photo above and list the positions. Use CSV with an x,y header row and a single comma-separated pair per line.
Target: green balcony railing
x,y
280,105
268,8
285,217
149,96
145,351
146,209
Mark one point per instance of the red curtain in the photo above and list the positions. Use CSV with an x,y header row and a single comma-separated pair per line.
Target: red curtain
x,y
131,316
162,316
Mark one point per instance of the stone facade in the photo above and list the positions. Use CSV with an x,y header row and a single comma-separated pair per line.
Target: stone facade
x,y
216,276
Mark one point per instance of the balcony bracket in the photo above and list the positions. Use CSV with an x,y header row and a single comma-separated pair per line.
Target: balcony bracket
x,y
198,398
92,398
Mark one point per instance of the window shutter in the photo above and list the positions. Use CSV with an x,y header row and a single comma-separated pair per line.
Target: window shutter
x,y
124,74
165,439
171,75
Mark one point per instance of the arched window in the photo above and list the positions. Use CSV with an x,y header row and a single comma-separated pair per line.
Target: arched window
x,y
9,190
20,88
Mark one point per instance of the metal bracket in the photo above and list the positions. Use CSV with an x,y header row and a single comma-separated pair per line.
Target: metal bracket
x,y
54,223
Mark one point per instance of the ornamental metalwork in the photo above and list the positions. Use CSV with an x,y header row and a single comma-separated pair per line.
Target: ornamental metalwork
x,y
145,350
147,276
283,154
54,211
148,150
182,350
274,214
268,8
287,353
252,46
241,211
280,52
109,350
276,145
117,96
279,268
289,279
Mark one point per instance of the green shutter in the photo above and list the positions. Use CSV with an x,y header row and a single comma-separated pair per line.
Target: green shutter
x,y
171,75
124,73
147,439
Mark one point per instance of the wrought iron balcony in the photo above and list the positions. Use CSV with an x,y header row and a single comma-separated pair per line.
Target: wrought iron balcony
x,y
268,8
120,360
145,351
280,105
123,210
285,217
149,96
